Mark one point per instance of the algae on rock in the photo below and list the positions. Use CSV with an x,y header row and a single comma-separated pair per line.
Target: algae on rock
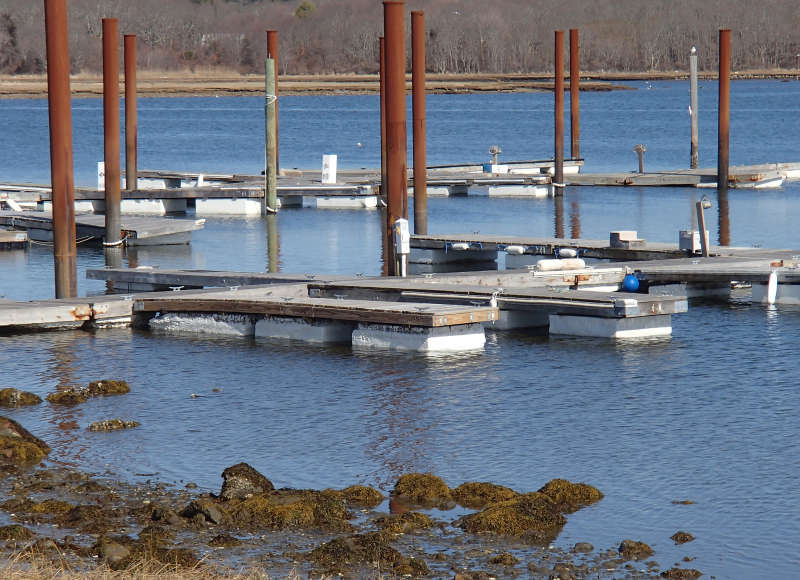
x,y
423,489
477,495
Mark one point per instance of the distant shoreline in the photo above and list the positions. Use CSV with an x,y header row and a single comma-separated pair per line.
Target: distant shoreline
x,y
216,83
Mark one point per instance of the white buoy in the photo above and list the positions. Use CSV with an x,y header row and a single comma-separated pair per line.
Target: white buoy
x,y
567,253
515,250
459,246
772,287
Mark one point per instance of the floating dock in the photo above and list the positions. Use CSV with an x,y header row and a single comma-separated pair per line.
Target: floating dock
x,y
136,231
13,240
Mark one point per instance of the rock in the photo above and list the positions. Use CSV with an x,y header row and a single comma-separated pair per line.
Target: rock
x,y
241,480
477,495
582,548
16,533
224,541
405,522
504,559
632,550
107,387
361,496
69,395
681,537
423,489
115,554
341,554
681,574
167,516
13,398
18,446
570,497
533,515
112,425
291,509
205,507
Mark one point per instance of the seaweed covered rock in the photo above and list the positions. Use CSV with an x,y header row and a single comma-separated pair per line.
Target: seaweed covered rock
x,y
360,496
291,509
570,496
107,387
681,537
207,510
241,480
405,522
18,446
681,574
532,516
341,555
112,425
75,394
477,495
121,552
423,489
632,550
16,533
13,398
224,541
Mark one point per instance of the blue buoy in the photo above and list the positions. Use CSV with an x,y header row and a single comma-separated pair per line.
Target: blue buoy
x,y
630,283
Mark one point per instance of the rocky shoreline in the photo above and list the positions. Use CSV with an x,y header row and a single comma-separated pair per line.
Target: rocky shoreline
x,y
424,528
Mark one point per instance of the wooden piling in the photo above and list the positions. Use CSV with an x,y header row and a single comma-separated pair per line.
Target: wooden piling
x,y
61,169
271,130
396,153
113,235
272,52
701,224
131,128
574,94
558,175
723,132
382,72
693,155
418,106
273,248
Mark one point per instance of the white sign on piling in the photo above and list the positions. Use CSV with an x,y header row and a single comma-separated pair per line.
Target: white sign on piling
x,y
329,169
101,176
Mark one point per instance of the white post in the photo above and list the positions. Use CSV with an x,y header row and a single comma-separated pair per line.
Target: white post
x,y
693,106
329,169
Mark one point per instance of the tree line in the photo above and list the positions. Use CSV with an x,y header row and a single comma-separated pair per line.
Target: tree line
x,y
462,36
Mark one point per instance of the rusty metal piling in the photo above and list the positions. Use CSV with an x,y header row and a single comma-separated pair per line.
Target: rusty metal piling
x,y
418,106
272,52
574,94
558,169
382,69
131,128
61,168
111,130
723,131
396,153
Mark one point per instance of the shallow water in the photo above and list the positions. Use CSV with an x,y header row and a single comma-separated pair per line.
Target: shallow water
x,y
709,415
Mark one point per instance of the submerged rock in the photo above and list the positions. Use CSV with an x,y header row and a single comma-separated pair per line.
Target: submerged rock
x,y
16,533
121,552
570,497
532,515
107,387
681,574
632,550
112,425
423,489
477,495
224,541
11,397
681,537
18,446
341,555
75,394
504,559
241,480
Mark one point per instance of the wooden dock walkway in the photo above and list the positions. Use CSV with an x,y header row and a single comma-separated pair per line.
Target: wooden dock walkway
x,y
137,231
13,240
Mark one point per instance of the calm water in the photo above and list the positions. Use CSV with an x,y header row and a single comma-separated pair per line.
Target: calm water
x,y
708,415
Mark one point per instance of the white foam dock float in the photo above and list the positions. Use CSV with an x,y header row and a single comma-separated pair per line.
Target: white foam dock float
x,y
421,339
219,324
597,327
316,331
220,206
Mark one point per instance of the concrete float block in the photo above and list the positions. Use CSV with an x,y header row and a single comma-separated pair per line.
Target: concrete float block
x,y
242,206
322,331
463,337
625,239
537,191
786,293
692,290
222,324
594,326
340,202
152,206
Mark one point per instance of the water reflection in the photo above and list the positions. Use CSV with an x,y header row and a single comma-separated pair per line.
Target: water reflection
x,y
558,205
724,218
273,244
575,220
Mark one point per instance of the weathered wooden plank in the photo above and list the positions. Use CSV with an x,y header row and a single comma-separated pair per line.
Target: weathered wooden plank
x,y
203,278
411,314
